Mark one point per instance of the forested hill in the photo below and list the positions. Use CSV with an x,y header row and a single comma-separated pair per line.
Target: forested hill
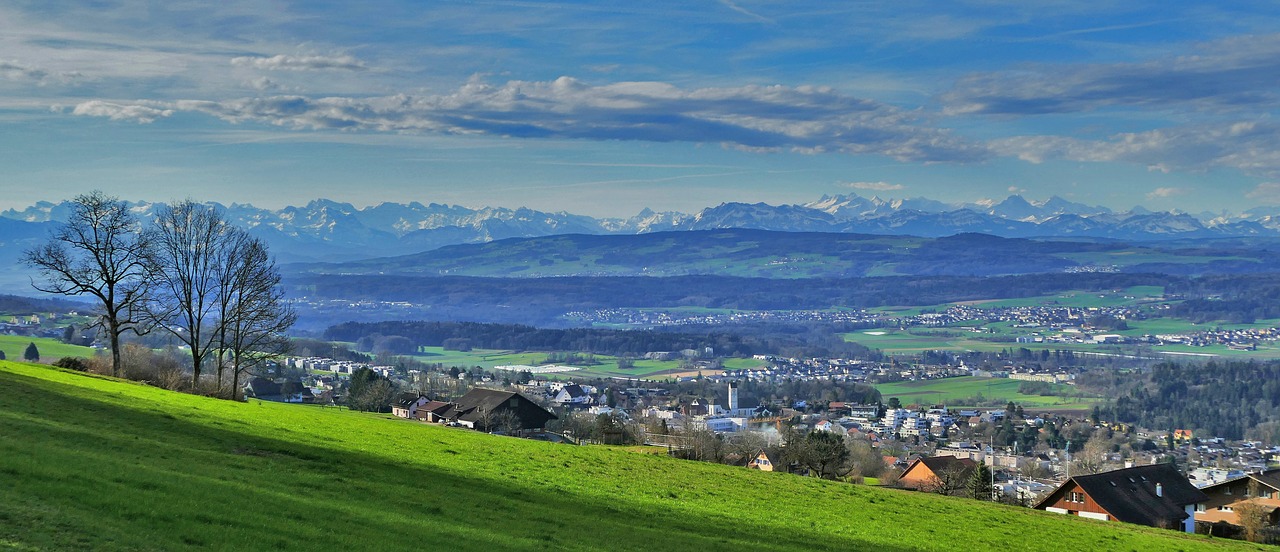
x,y
771,254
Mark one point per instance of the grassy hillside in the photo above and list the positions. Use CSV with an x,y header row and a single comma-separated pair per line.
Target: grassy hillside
x,y
89,463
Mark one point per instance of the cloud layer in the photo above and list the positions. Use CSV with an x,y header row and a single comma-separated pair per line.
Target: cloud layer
x,y
1252,147
301,63
768,118
1232,74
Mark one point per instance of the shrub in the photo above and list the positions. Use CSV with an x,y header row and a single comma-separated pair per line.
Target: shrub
x,y
73,363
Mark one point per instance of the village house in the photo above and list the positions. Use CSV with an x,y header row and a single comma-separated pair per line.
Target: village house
x,y
573,395
1261,488
1156,495
407,404
433,412
937,473
766,462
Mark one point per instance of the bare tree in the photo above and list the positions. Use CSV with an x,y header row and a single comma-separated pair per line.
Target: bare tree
x,y
254,313
188,242
1252,517
507,421
1095,455
949,480
100,251
229,266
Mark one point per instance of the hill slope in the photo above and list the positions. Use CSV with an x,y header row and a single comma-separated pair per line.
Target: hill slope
x,y
771,254
97,464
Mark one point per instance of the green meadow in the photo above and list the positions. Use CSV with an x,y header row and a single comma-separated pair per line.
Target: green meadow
x,y
50,349
954,391
96,464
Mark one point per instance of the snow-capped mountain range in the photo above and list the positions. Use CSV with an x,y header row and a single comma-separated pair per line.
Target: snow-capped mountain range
x,y
328,230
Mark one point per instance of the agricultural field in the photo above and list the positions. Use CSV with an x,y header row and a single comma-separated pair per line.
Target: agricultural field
x,y
901,342
961,390
1000,336
607,366
133,467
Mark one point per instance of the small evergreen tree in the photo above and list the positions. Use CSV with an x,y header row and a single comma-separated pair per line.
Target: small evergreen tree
x,y
32,354
978,486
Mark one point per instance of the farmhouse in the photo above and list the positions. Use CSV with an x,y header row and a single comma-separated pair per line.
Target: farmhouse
x,y
1156,495
480,408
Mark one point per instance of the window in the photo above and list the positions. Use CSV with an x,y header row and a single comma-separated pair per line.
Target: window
x,y
1076,497
1226,490
1200,507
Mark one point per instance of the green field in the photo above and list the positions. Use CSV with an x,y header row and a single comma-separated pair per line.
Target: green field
x,y
954,338
954,390
130,467
607,366
50,349
896,342
1135,295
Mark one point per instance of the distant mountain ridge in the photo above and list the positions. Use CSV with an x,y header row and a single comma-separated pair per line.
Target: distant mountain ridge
x,y
325,230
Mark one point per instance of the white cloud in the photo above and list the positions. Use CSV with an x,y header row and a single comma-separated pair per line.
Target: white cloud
x,y
1266,192
875,186
121,112
263,83
13,70
1253,147
1166,192
301,63
765,118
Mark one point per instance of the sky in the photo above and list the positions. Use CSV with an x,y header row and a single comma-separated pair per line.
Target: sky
x,y
604,108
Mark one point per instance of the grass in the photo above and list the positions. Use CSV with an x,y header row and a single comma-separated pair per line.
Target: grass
x,y
50,349
953,390
92,463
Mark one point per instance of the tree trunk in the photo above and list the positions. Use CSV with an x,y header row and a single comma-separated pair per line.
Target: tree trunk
x,y
115,350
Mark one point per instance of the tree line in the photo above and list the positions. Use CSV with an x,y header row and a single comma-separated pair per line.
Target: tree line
x,y
527,338
1231,399
188,272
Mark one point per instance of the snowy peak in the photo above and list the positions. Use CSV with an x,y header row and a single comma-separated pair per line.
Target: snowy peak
x,y
328,230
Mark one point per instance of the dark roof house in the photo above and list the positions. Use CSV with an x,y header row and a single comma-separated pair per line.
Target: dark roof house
x,y
1156,495
480,407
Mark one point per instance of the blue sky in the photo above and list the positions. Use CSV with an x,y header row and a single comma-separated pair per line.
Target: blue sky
x,y
604,108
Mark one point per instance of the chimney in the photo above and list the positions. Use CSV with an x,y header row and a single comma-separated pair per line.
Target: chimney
x,y
1159,490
